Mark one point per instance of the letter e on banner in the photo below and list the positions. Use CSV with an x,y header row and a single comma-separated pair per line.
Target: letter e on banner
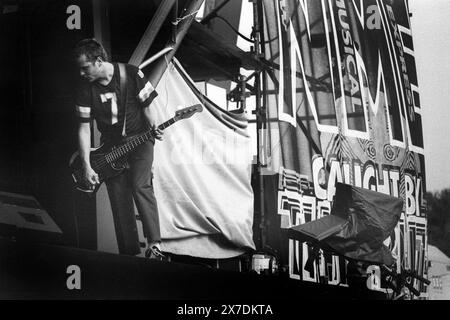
x,y
74,20
74,280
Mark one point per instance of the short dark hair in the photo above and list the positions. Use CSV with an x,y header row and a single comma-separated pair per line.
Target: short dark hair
x,y
91,48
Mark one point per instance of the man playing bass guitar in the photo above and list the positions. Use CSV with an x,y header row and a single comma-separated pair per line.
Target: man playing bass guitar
x,y
119,98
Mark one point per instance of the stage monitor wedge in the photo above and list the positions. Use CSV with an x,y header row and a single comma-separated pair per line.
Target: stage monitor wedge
x,y
22,216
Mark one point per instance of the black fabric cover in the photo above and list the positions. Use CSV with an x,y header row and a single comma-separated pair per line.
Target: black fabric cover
x,y
371,218
360,221
317,230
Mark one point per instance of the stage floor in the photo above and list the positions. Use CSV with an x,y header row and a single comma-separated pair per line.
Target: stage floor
x,y
33,271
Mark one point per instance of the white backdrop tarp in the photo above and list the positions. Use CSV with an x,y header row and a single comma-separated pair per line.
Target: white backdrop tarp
x,y
202,174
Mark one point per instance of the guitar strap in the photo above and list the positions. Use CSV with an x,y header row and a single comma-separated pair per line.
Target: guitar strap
x,y
123,94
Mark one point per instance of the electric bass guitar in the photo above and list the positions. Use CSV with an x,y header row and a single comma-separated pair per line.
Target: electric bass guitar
x,y
110,160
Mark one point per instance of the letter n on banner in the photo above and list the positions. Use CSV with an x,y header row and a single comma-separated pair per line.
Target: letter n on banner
x,y
287,97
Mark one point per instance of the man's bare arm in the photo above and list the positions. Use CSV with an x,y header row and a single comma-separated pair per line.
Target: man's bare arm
x,y
150,115
84,147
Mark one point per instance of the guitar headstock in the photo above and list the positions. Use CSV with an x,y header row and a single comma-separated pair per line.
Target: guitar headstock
x,y
188,111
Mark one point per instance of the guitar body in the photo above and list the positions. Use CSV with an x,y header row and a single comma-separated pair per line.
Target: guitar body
x,y
109,161
99,164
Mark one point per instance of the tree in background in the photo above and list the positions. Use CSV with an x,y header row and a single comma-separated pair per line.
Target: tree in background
x,y
439,219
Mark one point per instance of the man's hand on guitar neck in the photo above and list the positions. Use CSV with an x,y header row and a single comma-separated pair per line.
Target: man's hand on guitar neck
x,y
157,133
91,177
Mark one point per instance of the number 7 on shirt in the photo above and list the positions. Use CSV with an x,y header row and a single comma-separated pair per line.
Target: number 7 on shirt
x,y
114,111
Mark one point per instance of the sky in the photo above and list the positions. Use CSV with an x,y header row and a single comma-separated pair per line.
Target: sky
x,y
431,36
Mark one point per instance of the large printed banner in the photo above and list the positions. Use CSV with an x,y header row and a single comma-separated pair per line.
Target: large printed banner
x,y
343,107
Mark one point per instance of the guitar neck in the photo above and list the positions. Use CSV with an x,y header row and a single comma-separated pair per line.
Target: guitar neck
x,y
135,141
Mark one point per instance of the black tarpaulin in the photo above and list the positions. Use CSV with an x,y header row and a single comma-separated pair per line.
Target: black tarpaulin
x,y
317,230
370,218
